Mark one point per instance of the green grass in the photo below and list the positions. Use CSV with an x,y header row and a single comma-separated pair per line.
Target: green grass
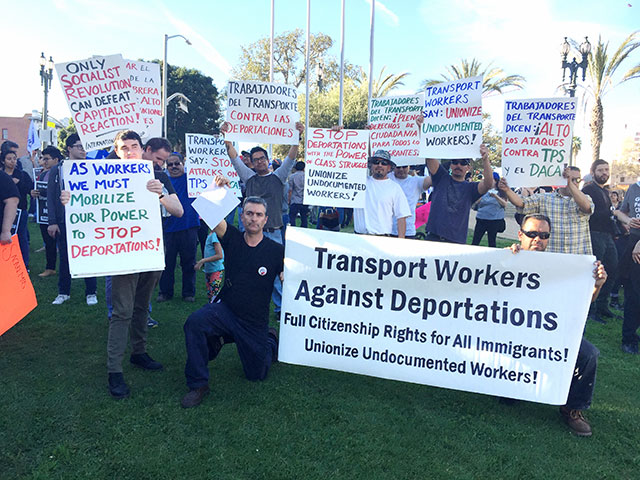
x,y
57,420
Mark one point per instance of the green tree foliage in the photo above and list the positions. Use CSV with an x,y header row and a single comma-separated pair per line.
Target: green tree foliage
x,y
63,133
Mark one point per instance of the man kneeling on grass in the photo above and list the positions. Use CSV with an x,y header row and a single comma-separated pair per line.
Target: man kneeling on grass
x,y
534,235
241,312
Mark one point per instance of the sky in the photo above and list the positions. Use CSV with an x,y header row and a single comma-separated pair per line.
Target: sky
x,y
421,37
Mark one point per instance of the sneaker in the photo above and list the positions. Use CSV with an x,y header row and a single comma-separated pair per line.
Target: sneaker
x,y
189,299
60,299
151,323
162,298
194,397
630,348
594,317
92,299
47,273
606,312
144,361
576,422
117,386
41,249
615,305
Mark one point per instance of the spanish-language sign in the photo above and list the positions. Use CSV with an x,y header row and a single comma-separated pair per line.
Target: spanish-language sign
x,y
145,82
100,97
452,125
336,171
262,112
536,143
394,128
42,211
456,316
207,157
113,221
17,296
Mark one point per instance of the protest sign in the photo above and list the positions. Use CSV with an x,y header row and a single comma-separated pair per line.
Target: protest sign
x,y
100,97
394,128
262,112
452,125
42,212
214,204
113,221
145,82
455,316
336,171
17,296
536,143
207,157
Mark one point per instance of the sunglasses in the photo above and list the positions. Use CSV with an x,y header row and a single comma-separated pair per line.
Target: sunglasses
x,y
534,234
460,162
375,161
173,164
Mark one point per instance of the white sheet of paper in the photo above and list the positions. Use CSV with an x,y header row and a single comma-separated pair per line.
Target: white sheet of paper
x,y
214,204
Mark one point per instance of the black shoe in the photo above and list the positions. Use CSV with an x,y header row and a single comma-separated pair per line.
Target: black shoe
x,y
144,361
630,348
117,386
597,318
194,397
274,334
615,305
162,298
189,299
605,312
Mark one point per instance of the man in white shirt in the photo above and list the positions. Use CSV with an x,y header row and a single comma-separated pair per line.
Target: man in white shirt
x,y
413,187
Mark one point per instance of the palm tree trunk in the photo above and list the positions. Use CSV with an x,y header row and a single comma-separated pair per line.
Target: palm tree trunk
x,y
597,121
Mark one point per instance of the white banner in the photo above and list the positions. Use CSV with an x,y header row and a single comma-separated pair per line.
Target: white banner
x,y
336,171
207,157
536,143
394,128
145,81
452,125
468,318
100,97
262,112
113,221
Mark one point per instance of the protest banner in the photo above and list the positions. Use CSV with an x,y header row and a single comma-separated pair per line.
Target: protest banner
x,y
262,112
214,204
452,125
455,316
100,98
113,221
536,143
394,128
17,296
207,157
145,82
42,211
336,167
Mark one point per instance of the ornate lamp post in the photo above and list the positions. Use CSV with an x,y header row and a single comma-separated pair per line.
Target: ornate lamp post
x,y
46,75
574,66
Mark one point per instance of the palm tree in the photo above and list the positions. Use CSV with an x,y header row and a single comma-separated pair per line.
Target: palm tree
x,y
602,68
494,79
384,84
576,146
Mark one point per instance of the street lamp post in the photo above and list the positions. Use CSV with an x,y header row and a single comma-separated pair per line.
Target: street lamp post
x,y
574,66
165,69
46,75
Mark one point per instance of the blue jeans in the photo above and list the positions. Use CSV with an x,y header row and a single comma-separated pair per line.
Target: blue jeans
x,y
296,209
631,320
64,276
276,296
584,377
184,243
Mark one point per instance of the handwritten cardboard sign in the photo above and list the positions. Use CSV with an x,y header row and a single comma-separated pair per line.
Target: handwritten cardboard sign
x,y
394,128
536,143
100,97
17,296
336,170
207,157
113,221
262,112
452,125
147,89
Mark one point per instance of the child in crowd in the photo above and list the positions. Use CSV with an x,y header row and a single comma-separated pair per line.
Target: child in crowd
x,y
213,265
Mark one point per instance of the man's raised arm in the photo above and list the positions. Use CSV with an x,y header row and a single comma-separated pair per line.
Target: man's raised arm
x,y
244,172
487,181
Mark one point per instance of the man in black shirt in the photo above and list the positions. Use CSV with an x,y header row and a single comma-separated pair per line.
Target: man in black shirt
x,y
252,261
602,229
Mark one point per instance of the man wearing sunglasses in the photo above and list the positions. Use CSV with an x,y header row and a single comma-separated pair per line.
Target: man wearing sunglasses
x,y
384,201
413,187
534,235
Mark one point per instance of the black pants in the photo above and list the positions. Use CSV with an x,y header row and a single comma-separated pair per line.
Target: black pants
x,y
49,247
492,227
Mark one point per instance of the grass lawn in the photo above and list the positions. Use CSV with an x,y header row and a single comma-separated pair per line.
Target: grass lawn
x,y
57,420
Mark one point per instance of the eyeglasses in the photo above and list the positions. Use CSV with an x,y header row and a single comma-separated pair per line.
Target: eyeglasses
x,y
460,162
376,161
175,164
259,159
77,145
534,234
